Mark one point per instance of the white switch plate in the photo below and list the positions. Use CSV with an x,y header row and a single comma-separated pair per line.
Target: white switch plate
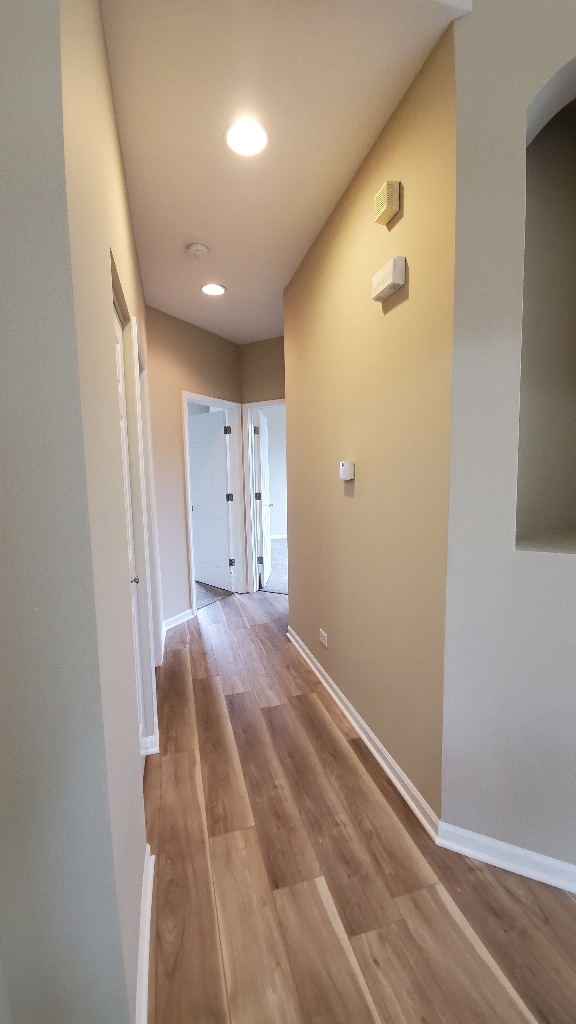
x,y
323,638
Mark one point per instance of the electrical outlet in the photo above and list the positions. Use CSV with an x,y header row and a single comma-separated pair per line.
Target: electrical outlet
x,y
323,638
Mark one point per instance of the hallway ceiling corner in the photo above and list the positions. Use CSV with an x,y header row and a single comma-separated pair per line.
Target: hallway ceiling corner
x,y
322,77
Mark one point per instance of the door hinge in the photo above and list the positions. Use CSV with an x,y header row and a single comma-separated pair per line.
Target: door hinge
x,y
231,562
260,559
229,497
258,495
227,429
256,430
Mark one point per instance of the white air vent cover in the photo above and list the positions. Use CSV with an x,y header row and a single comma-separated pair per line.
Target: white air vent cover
x,y
389,278
387,202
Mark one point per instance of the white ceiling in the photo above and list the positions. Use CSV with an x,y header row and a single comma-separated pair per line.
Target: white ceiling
x,y
323,76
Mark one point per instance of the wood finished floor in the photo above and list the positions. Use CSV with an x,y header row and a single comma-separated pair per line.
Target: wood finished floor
x,y
294,885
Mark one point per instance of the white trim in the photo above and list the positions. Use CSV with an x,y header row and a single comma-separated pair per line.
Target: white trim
x,y
174,621
512,858
144,939
558,873
405,787
154,544
150,744
251,512
137,447
278,536
177,619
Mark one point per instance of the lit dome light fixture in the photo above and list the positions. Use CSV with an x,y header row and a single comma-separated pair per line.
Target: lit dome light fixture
x,y
247,137
213,289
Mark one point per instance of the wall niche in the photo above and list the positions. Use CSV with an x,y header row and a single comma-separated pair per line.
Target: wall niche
x,y
546,494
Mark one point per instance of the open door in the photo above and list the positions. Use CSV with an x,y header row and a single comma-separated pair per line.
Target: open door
x,y
209,476
263,469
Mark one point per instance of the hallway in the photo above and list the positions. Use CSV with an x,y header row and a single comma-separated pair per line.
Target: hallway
x,y
294,885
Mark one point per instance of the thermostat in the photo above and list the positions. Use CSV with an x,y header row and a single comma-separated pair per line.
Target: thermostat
x,y
346,470
389,278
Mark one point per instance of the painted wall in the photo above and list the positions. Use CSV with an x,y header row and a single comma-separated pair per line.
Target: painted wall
x,y
71,810
262,370
372,384
183,357
276,416
99,225
546,512
5,1011
510,698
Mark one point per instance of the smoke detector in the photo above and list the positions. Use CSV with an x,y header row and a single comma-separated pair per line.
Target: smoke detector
x,y
197,250
387,202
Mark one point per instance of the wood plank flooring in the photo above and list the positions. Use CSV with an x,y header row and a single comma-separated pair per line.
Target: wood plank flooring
x,y
294,885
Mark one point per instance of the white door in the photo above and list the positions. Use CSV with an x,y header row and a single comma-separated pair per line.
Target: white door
x,y
209,484
264,489
131,568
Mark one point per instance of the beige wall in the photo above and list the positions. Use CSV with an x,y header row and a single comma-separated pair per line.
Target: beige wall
x,y
99,225
71,810
546,512
5,1011
262,370
372,384
510,756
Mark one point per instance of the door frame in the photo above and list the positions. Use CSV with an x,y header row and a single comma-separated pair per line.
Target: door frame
x,y
237,534
251,510
143,521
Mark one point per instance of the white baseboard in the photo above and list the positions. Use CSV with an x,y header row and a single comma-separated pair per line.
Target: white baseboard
x,y
407,790
174,621
150,744
144,940
559,873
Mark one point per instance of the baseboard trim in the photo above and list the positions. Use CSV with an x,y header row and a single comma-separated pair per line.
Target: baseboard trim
x,y
144,939
558,873
150,744
405,787
174,621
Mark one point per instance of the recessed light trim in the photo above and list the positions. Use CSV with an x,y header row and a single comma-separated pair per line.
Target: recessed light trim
x,y
213,289
247,137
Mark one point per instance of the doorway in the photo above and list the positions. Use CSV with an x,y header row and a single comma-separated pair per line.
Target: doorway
x,y
213,461
266,502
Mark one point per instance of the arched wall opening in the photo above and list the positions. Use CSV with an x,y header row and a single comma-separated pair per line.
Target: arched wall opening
x,y
546,493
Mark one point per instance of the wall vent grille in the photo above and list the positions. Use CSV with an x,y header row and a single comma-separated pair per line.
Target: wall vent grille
x,y
387,202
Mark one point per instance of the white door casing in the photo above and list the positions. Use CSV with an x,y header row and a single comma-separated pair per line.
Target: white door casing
x,y
265,543
131,566
209,469
251,413
135,387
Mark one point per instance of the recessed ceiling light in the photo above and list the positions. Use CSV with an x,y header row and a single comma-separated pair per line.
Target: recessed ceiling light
x,y
213,289
247,137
